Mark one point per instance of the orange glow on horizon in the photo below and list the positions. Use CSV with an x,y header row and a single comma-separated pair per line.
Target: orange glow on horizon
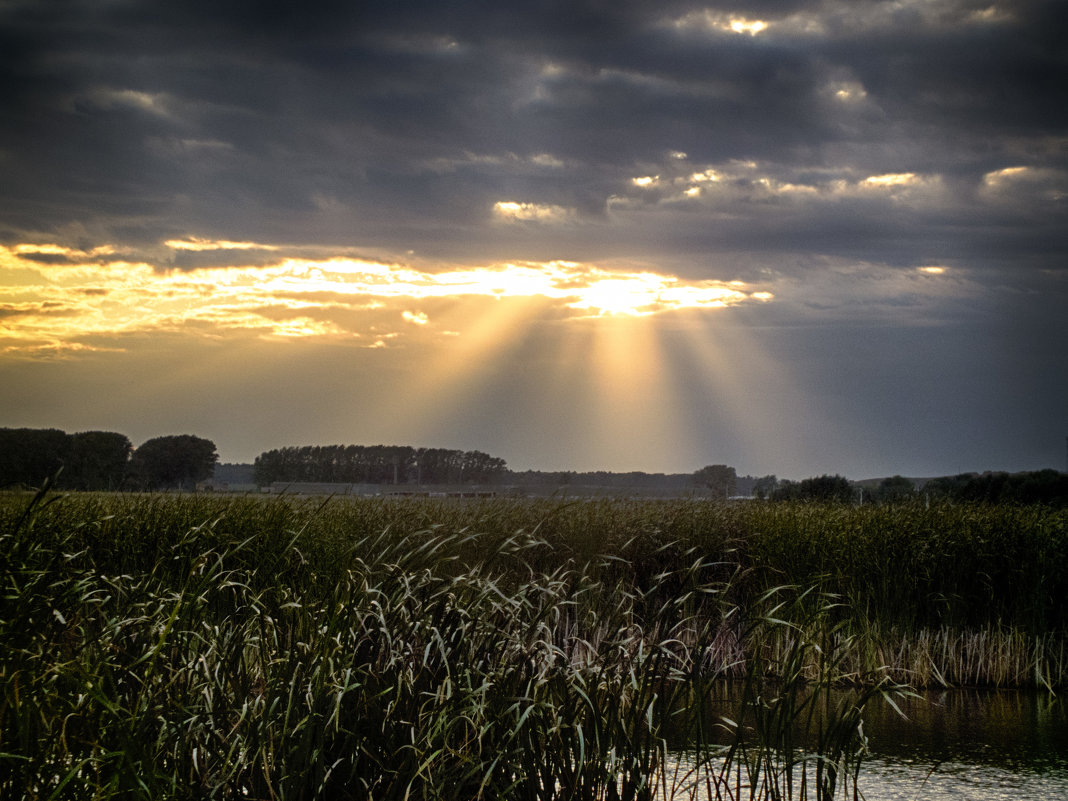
x,y
584,341
55,298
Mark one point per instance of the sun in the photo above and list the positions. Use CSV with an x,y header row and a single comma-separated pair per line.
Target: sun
x,y
637,296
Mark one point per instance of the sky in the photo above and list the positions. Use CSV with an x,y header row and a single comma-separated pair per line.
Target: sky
x,y
796,237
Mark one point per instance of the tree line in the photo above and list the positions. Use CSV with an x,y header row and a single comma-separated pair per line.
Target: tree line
x,y
102,460
1048,487
376,464
106,460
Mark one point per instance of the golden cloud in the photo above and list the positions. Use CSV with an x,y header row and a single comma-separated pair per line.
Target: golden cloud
x,y
197,244
339,299
536,212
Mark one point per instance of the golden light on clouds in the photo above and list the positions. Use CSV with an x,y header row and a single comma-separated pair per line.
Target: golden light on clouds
x,y
823,20
907,184
752,27
1007,174
705,176
629,295
847,91
725,184
712,21
197,244
55,299
1013,184
892,179
57,250
537,212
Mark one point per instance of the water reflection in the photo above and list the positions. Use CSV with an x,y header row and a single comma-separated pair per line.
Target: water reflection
x,y
883,780
968,745
1016,730
956,745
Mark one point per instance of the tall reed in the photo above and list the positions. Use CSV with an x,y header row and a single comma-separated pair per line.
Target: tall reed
x,y
177,647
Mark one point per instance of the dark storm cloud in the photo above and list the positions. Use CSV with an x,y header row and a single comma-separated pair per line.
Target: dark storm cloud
x,y
894,173
399,125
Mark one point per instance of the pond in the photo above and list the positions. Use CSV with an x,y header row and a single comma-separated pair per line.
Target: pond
x,y
960,745
968,746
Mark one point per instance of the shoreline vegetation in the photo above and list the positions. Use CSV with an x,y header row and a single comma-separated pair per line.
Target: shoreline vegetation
x,y
263,648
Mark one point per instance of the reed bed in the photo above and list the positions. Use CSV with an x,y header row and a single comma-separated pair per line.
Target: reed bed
x,y
198,647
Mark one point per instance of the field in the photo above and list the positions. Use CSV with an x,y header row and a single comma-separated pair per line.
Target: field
x,y
209,647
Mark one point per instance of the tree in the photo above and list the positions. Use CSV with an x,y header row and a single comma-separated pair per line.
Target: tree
x,y
31,455
480,468
896,488
765,486
376,464
90,460
173,462
719,478
1040,486
96,460
786,490
950,487
826,488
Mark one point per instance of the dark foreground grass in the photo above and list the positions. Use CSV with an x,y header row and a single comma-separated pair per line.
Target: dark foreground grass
x,y
190,647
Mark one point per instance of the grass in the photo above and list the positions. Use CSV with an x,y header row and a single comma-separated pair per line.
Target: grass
x,y
199,647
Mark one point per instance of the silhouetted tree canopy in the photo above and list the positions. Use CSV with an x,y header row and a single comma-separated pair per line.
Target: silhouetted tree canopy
x,y
31,455
827,488
824,488
90,460
721,479
1048,487
172,462
894,489
97,461
764,486
376,464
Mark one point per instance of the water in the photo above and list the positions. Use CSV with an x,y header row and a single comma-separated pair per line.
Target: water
x,y
968,746
883,780
961,745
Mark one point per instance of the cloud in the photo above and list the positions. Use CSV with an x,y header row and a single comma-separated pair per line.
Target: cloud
x,y
266,174
108,98
533,212
197,244
710,21
398,129
338,299
1021,183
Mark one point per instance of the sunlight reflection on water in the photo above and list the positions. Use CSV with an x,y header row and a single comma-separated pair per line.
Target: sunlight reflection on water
x,y
883,780
957,745
886,780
